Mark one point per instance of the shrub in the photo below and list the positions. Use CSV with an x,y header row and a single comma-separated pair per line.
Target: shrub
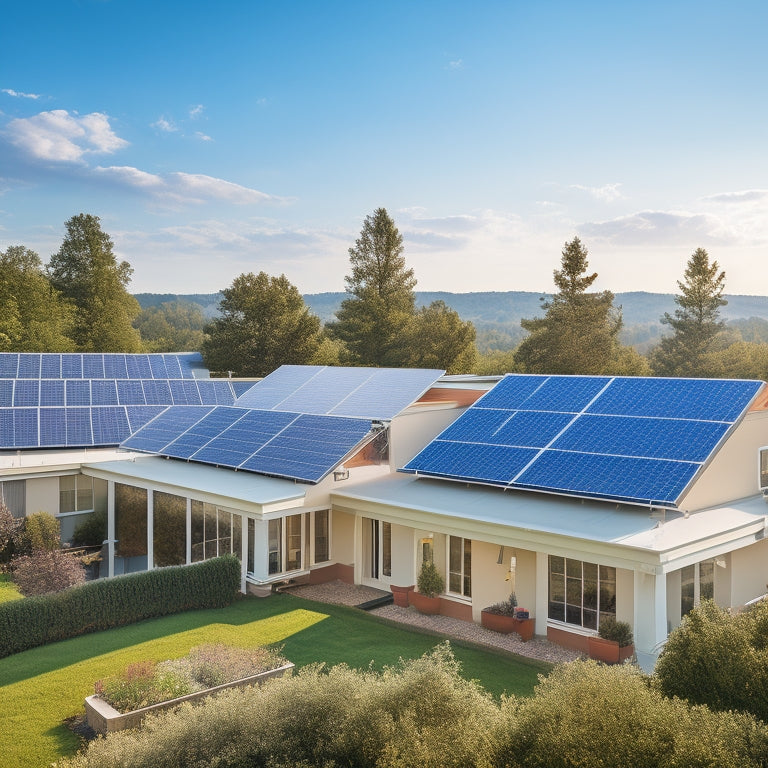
x,y
142,684
40,531
108,603
430,581
45,571
618,631
91,531
8,531
505,608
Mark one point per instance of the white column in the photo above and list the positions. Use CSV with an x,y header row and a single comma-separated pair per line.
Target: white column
x,y
650,625
111,527
150,529
261,550
243,550
542,592
188,553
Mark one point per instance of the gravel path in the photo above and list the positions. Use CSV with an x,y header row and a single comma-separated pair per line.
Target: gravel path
x,y
341,593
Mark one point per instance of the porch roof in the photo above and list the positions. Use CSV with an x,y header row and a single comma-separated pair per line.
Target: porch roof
x,y
244,489
590,520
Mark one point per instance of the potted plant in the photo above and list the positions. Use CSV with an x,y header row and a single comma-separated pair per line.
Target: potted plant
x,y
613,642
505,617
430,585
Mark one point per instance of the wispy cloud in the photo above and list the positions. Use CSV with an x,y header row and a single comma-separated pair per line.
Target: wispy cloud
x,y
455,64
607,193
19,94
63,137
196,111
654,228
202,136
165,125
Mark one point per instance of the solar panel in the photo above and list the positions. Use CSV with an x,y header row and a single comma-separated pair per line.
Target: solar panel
x,y
137,367
115,367
93,366
26,393
52,392
78,392
369,393
130,393
165,428
157,364
29,366
9,365
6,393
79,426
71,366
50,366
139,415
110,425
104,392
6,429
639,440
53,427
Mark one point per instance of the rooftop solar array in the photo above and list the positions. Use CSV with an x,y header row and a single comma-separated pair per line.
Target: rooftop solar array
x,y
52,400
366,393
636,440
298,446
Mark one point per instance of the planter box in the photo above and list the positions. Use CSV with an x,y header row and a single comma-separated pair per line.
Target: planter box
x,y
609,651
508,624
400,595
424,604
104,718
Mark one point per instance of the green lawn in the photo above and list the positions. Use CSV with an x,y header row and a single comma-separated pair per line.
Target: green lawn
x,y
43,686
8,589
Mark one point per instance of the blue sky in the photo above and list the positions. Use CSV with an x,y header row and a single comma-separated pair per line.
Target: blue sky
x,y
215,138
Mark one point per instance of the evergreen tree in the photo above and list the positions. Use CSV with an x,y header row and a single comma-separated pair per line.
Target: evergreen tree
x,y
374,321
33,317
264,324
439,338
696,321
89,276
579,331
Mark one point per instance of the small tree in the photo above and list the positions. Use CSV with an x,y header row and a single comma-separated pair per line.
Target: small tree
x,y
430,581
696,322
40,531
439,338
46,571
8,529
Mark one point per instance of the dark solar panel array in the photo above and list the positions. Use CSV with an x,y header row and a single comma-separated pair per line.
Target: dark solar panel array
x,y
639,440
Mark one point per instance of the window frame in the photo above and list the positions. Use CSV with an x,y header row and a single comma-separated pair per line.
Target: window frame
x,y
570,583
277,544
76,492
464,572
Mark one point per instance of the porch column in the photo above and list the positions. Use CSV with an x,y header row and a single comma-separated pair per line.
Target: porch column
x,y
111,527
188,548
542,592
261,550
650,624
150,529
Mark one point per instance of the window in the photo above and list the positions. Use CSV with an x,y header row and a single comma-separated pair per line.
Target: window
x,y
169,529
322,535
211,531
75,493
285,544
13,495
697,583
130,521
581,593
460,566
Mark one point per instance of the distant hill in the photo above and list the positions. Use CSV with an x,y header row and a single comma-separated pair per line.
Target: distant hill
x,y
496,314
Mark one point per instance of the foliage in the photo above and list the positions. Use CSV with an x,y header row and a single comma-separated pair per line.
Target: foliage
x,y
495,363
740,360
91,531
47,571
206,666
174,326
579,331
130,520
505,608
8,528
718,659
439,338
8,590
264,324
40,531
374,320
34,316
592,715
618,631
106,603
696,321
430,581
89,276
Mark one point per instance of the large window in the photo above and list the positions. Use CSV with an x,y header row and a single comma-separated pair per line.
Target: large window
x,y
75,493
13,495
130,521
211,531
460,566
169,529
285,544
322,523
697,583
581,593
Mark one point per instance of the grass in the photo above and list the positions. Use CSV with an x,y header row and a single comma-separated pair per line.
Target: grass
x,y
44,686
8,589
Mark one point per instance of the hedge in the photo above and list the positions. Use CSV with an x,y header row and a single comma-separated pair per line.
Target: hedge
x,y
108,603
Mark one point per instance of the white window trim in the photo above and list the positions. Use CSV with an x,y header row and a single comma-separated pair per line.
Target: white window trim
x,y
283,550
312,560
460,596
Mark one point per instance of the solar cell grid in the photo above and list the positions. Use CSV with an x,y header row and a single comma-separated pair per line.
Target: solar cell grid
x,y
78,392
157,392
25,427
511,392
50,366
565,393
130,393
53,427
172,367
6,393
93,366
26,393
9,365
103,392
157,364
110,425
52,392
29,365
115,367
79,426
137,367
6,428
71,366
139,415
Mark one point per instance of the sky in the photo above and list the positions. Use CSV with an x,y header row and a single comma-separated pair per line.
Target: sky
x,y
217,138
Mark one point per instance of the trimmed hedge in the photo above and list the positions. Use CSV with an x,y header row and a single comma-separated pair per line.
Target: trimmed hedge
x,y
109,603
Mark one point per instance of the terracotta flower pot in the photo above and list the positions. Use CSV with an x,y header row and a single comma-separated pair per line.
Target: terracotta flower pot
x,y
609,651
507,624
424,604
400,595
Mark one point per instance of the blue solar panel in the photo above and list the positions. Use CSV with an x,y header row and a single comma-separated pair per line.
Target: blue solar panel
x,y
137,367
52,392
628,439
26,393
93,366
79,426
6,428
184,392
53,427
165,428
103,392
50,366
173,367
241,387
110,425
215,391
78,392
9,365
157,364
115,367
139,415
130,393
29,365
71,366
157,392
6,393
270,391
25,427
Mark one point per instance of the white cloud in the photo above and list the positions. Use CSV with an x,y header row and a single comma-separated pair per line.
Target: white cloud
x,y
165,125
131,177
202,136
607,193
196,111
456,64
19,94
63,137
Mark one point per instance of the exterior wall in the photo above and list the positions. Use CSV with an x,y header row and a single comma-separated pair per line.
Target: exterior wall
x,y
749,573
625,596
42,495
342,537
411,431
733,471
403,556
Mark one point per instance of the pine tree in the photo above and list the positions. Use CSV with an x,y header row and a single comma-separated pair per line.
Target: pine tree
x,y
264,324
579,331
696,322
374,321
89,276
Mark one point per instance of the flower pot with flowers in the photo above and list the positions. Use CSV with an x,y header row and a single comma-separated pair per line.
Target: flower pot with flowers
x,y
506,617
613,642
430,585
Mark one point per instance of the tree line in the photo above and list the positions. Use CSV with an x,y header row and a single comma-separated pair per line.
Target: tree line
x,y
79,301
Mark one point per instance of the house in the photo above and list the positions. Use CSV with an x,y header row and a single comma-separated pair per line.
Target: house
x,y
588,496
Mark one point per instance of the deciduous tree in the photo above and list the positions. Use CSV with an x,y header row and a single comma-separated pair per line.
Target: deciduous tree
x,y
89,276
373,321
696,321
174,326
264,323
439,338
